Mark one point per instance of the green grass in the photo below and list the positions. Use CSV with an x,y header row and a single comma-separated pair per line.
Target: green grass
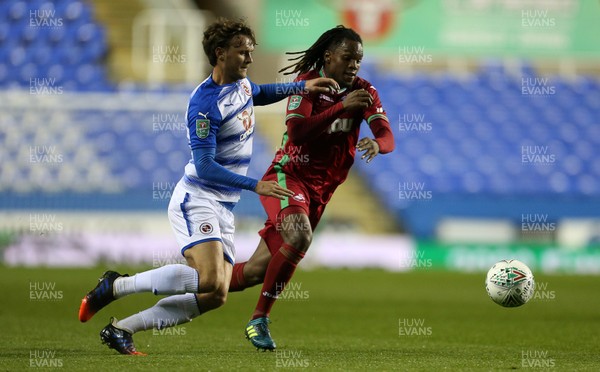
x,y
347,320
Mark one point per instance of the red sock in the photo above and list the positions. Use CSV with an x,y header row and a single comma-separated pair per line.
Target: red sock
x,y
238,282
279,272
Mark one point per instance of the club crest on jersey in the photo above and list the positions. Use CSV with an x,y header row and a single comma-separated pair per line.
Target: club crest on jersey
x,y
202,127
246,89
246,118
294,102
206,228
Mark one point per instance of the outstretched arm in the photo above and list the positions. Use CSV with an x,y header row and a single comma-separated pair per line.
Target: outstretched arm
x,y
202,133
208,169
266,94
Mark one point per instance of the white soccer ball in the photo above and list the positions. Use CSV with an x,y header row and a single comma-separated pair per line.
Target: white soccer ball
x,y
510,283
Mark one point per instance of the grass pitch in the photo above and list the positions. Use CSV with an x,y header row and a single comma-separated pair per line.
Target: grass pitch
x,y
329,320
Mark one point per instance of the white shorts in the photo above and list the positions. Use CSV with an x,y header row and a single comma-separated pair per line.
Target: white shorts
x,y
196,220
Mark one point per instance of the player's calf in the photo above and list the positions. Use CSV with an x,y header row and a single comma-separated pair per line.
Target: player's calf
x,y
255,278
252,272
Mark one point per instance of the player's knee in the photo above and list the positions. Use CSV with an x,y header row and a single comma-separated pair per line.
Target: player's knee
x,y
299,239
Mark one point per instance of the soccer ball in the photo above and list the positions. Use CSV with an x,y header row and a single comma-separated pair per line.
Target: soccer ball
x,y
510,283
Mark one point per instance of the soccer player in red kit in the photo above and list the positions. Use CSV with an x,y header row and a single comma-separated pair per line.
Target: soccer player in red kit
x,y
315,156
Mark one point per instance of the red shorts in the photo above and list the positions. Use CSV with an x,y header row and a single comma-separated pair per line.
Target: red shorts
x,y
277,210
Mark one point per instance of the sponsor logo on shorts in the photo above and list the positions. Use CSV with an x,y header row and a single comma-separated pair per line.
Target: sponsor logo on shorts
x,y
206,228
299,197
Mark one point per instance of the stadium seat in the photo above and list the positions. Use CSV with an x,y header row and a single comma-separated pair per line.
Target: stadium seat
x,y
479,127
17,12
479,123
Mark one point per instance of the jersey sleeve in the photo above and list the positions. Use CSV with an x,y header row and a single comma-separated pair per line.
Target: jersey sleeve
x,y
203,125
204,121
208,169
379,123
376,109
301,126
299,106
266,94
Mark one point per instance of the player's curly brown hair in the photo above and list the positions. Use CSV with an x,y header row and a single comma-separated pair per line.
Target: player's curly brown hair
x,y
220,33
313,56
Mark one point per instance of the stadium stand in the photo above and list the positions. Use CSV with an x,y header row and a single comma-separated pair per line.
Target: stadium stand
x,y
469,143
58,39
463,139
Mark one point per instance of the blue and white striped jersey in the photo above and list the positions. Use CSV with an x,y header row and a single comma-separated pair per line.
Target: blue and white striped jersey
x,y
221,117
220,121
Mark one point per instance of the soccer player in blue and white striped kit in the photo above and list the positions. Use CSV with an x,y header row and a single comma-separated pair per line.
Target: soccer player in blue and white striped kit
x,y
220,118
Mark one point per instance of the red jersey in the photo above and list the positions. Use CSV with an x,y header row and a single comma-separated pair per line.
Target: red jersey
x,y
319,144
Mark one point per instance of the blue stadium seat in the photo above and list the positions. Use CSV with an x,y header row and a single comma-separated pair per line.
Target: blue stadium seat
x,y
5,32
76,10
48,33
3,73
57,35
18,12
480,125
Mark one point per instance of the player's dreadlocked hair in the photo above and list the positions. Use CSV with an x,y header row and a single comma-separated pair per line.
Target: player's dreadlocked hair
x,y
313,56
219,35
